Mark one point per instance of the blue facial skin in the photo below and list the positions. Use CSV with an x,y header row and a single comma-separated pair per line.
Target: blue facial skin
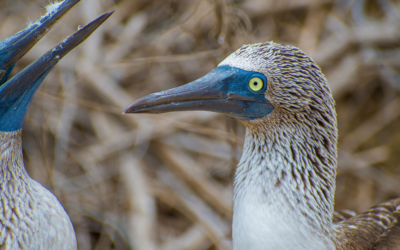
x,y
237,83
15,97
6,75
224,90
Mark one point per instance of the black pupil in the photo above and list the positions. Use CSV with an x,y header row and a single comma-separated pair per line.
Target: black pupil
x,y
256,83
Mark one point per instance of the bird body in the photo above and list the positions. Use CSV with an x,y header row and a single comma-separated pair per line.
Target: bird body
x,y
31,217
285,181
283,155
269,201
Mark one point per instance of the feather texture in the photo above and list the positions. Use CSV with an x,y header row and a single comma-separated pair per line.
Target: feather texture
x,y
31,217
375,228
285,180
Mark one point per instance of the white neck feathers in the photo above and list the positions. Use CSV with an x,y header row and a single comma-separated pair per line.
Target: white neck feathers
x,y
11,159
283,191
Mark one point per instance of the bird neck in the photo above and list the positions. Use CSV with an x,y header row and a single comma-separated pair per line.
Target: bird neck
x,y
12,163
284,186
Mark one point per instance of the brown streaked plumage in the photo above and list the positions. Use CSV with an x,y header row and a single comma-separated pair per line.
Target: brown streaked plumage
x,y
285,181
375,228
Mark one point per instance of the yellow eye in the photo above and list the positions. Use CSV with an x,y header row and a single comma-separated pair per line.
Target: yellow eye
x,y
256,84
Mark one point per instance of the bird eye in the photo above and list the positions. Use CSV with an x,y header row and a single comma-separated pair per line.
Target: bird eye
x,y
256,83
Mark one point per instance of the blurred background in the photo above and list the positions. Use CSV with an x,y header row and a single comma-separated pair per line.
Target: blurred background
x,y
164,182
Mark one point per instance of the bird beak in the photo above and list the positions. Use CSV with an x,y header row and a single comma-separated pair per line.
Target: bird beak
x,y
223,90
16,93
13,48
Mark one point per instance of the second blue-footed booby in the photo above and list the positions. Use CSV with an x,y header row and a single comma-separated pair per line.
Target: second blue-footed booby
x,y
31,217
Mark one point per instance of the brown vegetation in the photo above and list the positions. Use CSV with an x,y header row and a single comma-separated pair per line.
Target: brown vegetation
x,y
165,181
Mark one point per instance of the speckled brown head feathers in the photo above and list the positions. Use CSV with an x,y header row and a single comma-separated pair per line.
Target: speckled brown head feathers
x,y
297,89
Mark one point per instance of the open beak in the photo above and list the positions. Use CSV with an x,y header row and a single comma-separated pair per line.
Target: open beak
x,y
29,76
16,93
223,90
13,48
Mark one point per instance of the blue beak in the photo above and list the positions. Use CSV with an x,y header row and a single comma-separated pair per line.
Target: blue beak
x,y
223,90
16,93
16,46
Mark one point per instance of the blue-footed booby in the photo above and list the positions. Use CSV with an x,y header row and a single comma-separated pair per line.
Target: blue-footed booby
x,y
285,181
31,217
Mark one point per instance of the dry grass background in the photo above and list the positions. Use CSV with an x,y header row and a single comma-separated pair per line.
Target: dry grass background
x,y
165,181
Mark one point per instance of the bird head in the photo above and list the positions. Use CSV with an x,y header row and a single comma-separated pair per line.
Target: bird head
x,y
17,92
290,149
260,84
